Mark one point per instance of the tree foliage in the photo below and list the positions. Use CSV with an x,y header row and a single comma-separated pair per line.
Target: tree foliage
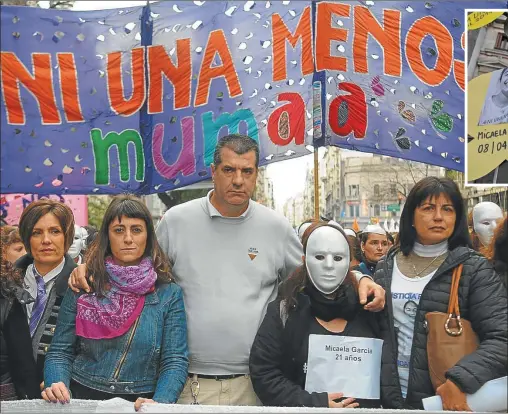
x,y
97,205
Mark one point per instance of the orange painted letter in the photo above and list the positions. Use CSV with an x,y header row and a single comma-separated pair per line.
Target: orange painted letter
x,y
459,69
160,63
281,33
116,92
217,44
387,35
69,87
326,33
444,44
14,73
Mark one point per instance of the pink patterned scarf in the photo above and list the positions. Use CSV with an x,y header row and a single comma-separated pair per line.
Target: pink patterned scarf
x,y
113,314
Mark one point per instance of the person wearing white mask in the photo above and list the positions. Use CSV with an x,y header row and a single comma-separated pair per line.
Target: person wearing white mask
x,y
78,244
374,245
319,298
486,216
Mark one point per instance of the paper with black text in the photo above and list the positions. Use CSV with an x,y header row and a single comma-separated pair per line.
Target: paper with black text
x,y
344,364
492,397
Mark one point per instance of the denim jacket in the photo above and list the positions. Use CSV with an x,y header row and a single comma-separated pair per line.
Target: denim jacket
x,y
156,360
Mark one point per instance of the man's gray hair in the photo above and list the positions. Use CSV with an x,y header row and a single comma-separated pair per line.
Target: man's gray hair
x,y
240,144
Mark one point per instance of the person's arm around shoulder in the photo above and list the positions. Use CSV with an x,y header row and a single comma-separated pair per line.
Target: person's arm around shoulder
x,y
486,311
265,365
174,361
367,287
62,352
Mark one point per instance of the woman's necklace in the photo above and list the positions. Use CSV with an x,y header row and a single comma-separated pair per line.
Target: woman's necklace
x,y
417,274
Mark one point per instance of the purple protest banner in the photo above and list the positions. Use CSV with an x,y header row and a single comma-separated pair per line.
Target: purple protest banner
x,y
135,99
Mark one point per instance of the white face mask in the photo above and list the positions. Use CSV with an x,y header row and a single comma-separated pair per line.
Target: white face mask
x,y
486,217
327,259
79,243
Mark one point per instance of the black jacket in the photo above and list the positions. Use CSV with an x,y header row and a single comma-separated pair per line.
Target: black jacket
x,y
502,270
45,330
17,364
279,354
482,301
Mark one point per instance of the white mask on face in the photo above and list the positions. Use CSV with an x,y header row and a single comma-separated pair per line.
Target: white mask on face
x,y
302,229
486,216
79,243
327,259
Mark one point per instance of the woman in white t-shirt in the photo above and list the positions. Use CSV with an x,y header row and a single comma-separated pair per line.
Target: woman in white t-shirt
x,y
417,275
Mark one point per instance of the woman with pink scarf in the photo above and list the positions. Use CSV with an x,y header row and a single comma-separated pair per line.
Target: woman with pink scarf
x,y
128,338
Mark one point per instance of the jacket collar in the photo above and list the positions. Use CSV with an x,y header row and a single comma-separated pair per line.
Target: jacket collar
x,y
454,258
152,298
60,281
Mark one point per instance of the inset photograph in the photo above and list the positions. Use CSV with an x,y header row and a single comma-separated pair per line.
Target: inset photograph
x,y
487,97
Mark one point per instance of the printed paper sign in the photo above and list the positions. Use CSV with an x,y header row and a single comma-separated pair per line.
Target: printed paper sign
x,y
349,365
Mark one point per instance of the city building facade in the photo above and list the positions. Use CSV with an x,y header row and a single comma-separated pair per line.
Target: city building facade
x,y
294,211
363,187
374,188
264,189
494,48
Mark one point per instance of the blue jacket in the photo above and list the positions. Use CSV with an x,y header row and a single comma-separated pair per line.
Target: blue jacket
x,y
156,360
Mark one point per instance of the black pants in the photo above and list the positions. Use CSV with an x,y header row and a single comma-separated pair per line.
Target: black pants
x,y
82,392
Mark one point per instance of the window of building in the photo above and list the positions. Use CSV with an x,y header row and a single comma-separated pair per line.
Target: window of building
x,y
354,211
353,190
393,189
501,42
376,190
377,210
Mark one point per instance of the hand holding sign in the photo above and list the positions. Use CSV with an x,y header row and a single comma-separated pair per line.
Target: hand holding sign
x,y
347,403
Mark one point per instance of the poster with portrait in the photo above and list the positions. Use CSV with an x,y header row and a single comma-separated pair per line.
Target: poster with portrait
x,y
495,106
487,125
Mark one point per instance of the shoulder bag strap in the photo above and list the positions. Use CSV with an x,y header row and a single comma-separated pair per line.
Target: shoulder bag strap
x,y
453,303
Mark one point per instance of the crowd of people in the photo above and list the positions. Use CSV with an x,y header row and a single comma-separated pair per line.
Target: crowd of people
x,y
217,305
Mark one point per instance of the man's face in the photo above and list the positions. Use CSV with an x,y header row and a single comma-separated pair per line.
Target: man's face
x,y
235,177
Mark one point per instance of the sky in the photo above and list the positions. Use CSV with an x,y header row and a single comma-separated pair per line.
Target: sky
x,y
288,176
